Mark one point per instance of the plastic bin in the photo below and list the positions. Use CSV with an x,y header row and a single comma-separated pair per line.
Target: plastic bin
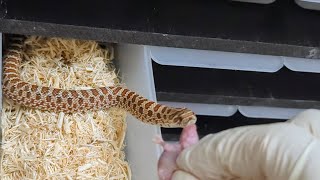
x,y
136,72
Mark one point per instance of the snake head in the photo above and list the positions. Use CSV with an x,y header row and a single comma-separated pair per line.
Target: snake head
x,y
183,117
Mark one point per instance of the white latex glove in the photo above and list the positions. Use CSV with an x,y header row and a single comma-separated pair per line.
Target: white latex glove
x,y
279,151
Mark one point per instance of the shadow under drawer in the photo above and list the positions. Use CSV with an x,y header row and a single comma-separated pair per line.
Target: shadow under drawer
x,y
214,124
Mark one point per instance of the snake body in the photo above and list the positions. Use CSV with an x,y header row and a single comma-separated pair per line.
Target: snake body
x,y
70,101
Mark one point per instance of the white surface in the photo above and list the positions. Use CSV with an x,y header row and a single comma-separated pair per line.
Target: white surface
x,y
232,61
215,59
268,112
205,109
229,110
136,72
257,1
309,4
302,64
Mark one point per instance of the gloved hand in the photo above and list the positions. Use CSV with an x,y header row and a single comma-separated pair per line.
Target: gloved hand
x,y
278,151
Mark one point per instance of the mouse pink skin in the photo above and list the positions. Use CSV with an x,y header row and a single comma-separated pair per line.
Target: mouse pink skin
x,y
189,136
167,161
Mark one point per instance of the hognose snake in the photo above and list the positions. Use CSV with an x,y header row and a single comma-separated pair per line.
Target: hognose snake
x,y
69,101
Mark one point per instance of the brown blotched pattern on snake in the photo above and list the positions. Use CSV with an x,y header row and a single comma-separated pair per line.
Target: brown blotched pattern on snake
x,y
69,101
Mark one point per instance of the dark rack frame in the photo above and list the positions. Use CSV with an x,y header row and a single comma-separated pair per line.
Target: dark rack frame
x,y
281,28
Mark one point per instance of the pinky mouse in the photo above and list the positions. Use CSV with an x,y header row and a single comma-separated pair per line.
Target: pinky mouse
x,y
167,161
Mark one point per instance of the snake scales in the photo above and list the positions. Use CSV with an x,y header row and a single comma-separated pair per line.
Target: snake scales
x,y
69,101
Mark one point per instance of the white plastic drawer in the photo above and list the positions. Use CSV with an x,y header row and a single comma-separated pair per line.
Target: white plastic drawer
x,y
236,62
257,1
229,110
309,4
231,60
142,154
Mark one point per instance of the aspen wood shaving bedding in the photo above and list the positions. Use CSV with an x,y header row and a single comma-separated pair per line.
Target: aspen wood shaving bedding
x,y
46,145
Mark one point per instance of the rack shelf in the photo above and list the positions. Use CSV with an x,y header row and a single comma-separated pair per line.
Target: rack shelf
x,y
281,28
